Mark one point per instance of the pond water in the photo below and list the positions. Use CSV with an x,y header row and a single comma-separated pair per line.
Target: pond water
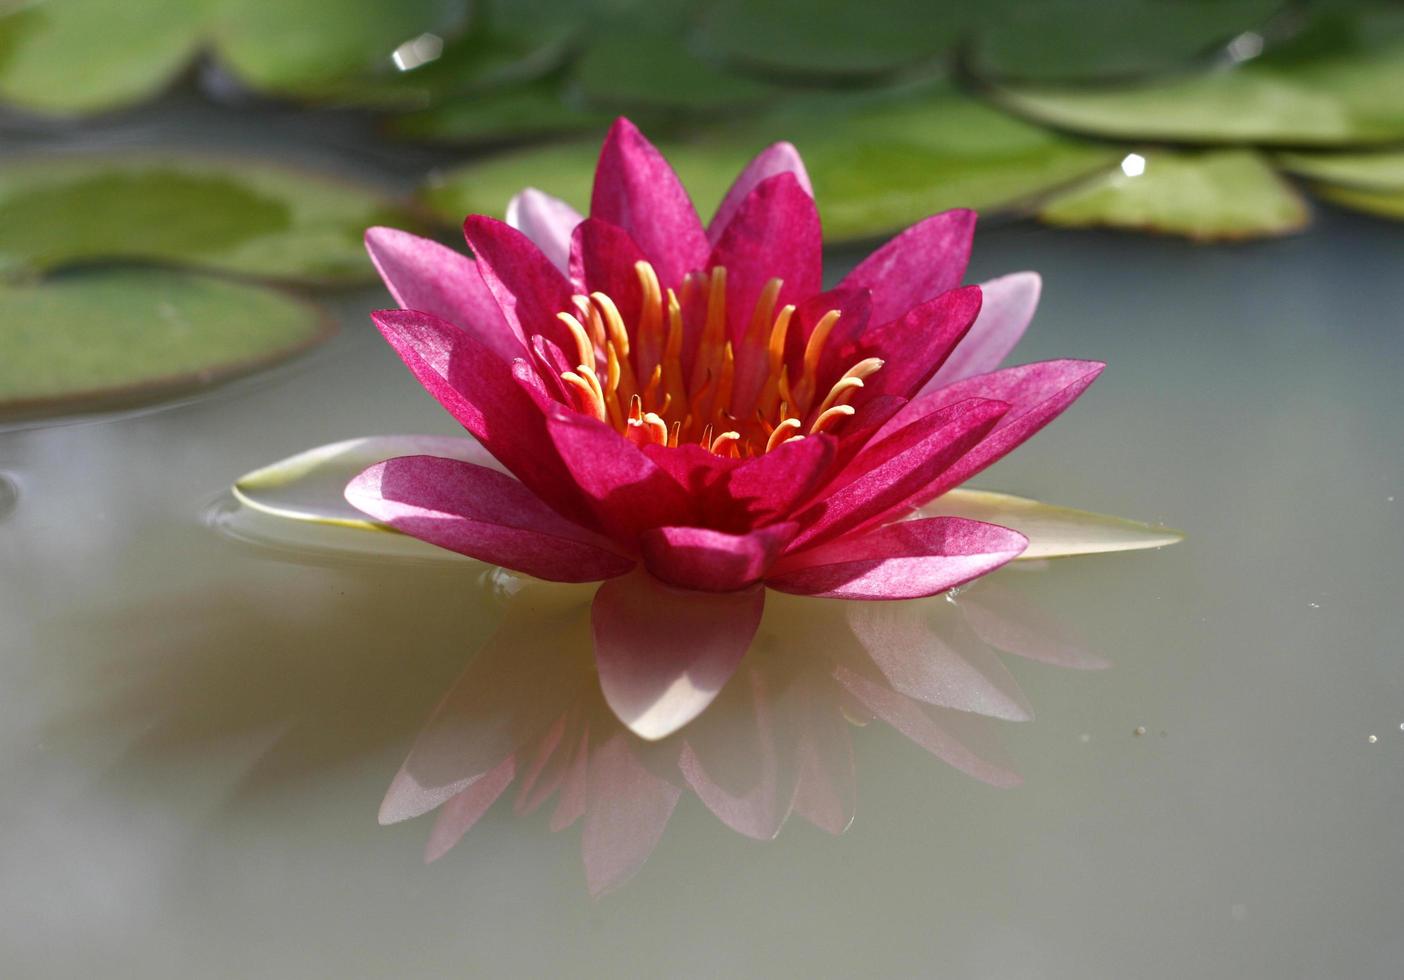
x,y
196,731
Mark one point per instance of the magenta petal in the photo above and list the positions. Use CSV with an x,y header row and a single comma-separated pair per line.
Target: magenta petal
x,y
483,514
602,259
886,474
907,560
1009,305
529,290
1036,393
774,234
458,815
547,221
778,158
664,653
957,738
927,651
920,263
913,346
627,810
424,275
770,486
627,491
713,561
637,190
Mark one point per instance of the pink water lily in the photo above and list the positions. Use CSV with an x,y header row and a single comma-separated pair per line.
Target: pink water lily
x,y
685,414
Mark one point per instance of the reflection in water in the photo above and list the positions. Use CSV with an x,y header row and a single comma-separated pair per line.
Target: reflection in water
x,y
9,496
528,714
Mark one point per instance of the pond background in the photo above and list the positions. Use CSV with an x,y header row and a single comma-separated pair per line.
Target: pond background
x,y
195,733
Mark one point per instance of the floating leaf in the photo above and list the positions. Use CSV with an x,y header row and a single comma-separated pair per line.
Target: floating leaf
x,y
1078,40
1223,194
77,56
1337,84
1053,532
103,339
233,216
537,109
878,162
648,69
1383,204
830,38
1377,171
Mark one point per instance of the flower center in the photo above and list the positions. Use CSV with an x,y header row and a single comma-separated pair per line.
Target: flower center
x,y
737,400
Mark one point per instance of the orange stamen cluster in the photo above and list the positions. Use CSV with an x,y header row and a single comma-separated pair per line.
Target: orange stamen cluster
x,y
737,400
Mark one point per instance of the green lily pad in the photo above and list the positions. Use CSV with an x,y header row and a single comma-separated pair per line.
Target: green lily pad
x,y
1336,84
1222,194
246,218
1377,171
78,56
104,339
653,69
830,38
1053,532
1079,40
540,108
1382,204
878,162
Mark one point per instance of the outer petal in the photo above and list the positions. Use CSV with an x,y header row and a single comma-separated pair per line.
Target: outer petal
x,y
774,234
1010,302
529,290
900,561
627,491
777,158
888,473
424,275
713,561
547,221
664,653
917,343
637,190
481,391
483,514
459,814
922,262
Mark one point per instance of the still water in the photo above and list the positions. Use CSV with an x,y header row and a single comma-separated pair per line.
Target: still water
x,y
196,732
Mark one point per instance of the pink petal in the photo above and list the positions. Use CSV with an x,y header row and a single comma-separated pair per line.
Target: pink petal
x,y
927,651
481,391
637,190
920,263
826,793
901,561
547,221
529,290
1010,302
713,561
627,491
483,514
459,814
626,813
544,767
501,702
664,653
917,343
570,805
885,475
774,234
602,258
777,158
957,738
1036,393
771,486
424,275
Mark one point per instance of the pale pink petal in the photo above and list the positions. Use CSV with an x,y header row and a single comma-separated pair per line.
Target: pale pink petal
x,y
483,514
713,561
570,805
547,221
458,815
541,769
826,793
926,651
627,810
907,560
777,158
663,653
920,263
636,190
1010,302
424,275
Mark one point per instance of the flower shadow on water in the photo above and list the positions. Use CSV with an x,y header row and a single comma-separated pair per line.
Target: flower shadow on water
x,y
526,720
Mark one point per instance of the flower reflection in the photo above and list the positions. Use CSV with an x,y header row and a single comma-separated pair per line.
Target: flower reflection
x,y
527,715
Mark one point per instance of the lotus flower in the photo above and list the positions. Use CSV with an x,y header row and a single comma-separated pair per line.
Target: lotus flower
x,y
686,415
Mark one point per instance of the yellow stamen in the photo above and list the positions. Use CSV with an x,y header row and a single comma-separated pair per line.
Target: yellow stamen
x,y
781,432
830,415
